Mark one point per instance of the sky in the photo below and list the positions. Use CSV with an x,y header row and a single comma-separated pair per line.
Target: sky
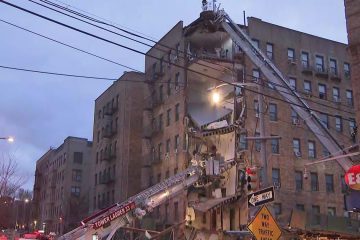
x,y
40,111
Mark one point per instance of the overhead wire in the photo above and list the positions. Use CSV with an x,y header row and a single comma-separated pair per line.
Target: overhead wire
x,y
160,44
168,47
68,45
149,55
137,81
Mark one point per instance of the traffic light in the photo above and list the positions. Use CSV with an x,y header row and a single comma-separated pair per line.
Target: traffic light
x,y
252,178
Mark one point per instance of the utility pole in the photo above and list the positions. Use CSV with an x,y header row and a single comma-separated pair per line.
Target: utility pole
x,y
263,159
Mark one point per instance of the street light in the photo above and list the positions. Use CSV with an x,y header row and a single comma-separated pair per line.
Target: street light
x,y
9,139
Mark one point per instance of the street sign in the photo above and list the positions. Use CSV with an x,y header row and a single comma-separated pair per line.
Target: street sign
x,y
263,226
261,197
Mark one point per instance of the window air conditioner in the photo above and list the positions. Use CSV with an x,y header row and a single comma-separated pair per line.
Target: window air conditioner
x,y
297,154
296,121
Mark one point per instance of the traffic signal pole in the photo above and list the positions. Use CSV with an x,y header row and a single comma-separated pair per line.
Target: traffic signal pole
x,y
263,157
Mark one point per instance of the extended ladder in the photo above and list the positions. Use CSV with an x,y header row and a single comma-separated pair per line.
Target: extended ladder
x,y
273,74
117,215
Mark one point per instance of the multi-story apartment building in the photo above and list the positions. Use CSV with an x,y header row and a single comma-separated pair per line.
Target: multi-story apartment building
x,y
61,188
352,10
182,124
116,163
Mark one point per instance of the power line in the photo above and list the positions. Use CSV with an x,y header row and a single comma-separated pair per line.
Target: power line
x,y
80,76
70,46
92,19
151,56
104,19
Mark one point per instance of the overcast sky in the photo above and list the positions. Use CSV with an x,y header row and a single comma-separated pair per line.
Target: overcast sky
x,y
41,111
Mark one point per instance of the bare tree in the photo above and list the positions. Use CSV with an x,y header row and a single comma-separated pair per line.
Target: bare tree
x,y
11,179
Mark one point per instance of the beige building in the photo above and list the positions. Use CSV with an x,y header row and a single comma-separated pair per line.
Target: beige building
x,y
61,188
116,163
181,124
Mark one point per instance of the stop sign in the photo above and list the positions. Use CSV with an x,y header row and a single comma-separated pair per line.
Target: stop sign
x,y
352,177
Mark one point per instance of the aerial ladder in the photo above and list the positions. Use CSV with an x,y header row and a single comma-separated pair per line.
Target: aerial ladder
x,y
274,75
105,223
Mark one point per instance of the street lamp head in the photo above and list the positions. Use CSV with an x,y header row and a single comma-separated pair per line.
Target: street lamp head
x,y
215,97
10,139
26,200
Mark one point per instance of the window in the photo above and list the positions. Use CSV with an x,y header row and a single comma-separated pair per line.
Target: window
x,y
315,215
329,179
324,120
294,115
349,97
276,176
311,149
325,152
96,179
256,108
275,146
352,125
277,209
273,112
322,91
178,49
319,61
291,54
97,157
307,86
298,180
169,87
177,81
292,82
336,94
331,211
255,75
99,114
344,186
176,211
75,191
314,182
256,42
169,58
296,147
333,67
338,123
160,151
159,177
154,71
161,93
76,175
78,157
300,207
243,142
168,142
166,212
257,143
177,112
161,65
269,50
347,70
305,59
160,122
168,117
177,142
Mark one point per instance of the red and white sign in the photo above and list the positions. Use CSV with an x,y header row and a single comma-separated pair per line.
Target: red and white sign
x,y
352,177
114,215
